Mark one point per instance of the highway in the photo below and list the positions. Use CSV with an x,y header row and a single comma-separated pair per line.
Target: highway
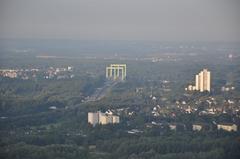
x,y
101,92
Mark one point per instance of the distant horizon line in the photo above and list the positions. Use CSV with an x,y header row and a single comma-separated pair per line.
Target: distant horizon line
x,y
132,40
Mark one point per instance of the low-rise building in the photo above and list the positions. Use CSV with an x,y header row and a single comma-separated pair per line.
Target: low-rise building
x,y
197,127
177,126
227,127
201,127
102,118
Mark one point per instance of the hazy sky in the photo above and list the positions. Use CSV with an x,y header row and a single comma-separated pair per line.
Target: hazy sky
x,y
162,20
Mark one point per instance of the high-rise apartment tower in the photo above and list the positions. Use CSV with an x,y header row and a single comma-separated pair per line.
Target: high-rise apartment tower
x,y
203,81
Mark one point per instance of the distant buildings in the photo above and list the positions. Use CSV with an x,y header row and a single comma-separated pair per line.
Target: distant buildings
x,y
8,73
33,73
227,88
102,118
221,126
202,82
116,72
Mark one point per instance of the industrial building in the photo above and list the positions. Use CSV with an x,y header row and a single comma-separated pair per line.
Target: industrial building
x,y
116,72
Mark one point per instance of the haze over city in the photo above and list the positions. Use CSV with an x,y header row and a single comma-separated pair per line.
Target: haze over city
x,y
154,20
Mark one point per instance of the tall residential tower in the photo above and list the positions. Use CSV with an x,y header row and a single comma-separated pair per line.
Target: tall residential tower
x,y
202,82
